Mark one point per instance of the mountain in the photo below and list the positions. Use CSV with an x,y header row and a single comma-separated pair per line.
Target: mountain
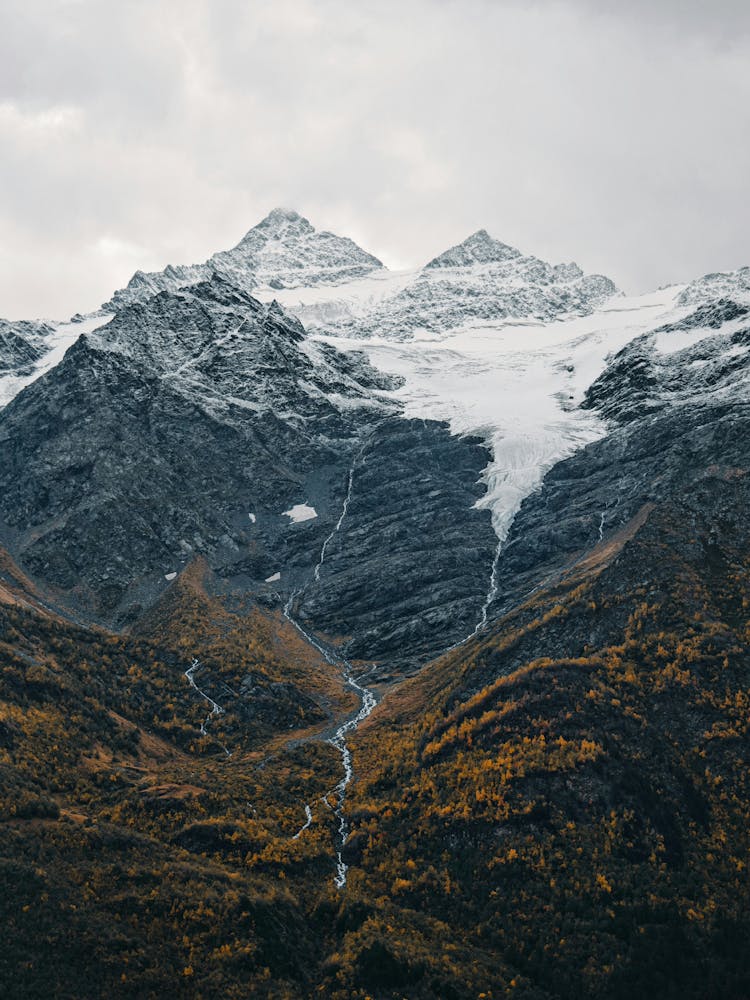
x,y
551,797
334,286
193,425
479,248
283,251
386,639
478,284
734,285
674,399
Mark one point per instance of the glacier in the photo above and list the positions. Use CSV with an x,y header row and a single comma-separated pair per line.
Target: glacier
x,y
519,386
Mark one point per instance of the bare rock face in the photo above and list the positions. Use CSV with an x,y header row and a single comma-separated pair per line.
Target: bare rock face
x,y
412,533
202,422
22,344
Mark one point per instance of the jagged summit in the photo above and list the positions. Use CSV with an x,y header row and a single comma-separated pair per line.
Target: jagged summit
x,y
278,223
733,285
280,215
284,250
480,280
479,248
482,248
477,283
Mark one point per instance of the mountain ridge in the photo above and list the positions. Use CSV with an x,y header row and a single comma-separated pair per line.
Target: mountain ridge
x,y
191,425
282,250
400,653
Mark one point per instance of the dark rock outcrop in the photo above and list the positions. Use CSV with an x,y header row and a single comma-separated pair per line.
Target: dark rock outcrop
x,y
408,571
194,424
22,344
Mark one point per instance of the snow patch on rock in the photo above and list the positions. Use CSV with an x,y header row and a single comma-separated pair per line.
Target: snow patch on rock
x,y
300,512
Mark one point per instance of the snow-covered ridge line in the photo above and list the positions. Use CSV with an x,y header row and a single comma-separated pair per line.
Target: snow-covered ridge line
x,y
64,335
282,251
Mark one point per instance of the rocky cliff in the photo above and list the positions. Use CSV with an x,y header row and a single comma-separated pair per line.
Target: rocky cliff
x,y
201,422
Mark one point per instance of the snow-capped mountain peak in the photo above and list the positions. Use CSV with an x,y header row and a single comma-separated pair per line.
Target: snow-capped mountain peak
x,y
284,250
481,282
479,248
280,223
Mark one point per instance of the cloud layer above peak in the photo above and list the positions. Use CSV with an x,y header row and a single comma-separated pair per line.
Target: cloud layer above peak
x,y
155,131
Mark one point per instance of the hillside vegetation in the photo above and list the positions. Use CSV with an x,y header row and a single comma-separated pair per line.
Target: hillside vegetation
x,y
557,810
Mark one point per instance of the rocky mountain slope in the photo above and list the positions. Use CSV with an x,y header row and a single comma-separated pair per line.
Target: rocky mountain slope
x,y
718,285
676,404
552,788
565,799
22,344
283,251
29,348
509,500
203,423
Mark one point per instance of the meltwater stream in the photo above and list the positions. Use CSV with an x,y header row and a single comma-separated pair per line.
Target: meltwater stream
x,y
367,698
339,741
216,709
368,701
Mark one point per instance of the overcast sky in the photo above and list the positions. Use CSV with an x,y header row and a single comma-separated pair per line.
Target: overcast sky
x,y
138,133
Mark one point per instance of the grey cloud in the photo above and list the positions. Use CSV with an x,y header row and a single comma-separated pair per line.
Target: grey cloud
x,y
142,133
719,18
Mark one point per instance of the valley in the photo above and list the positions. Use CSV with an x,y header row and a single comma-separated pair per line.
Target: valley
x,y
372,634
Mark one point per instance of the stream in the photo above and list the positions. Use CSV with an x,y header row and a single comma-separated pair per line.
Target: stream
x,y
367,698
216,709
